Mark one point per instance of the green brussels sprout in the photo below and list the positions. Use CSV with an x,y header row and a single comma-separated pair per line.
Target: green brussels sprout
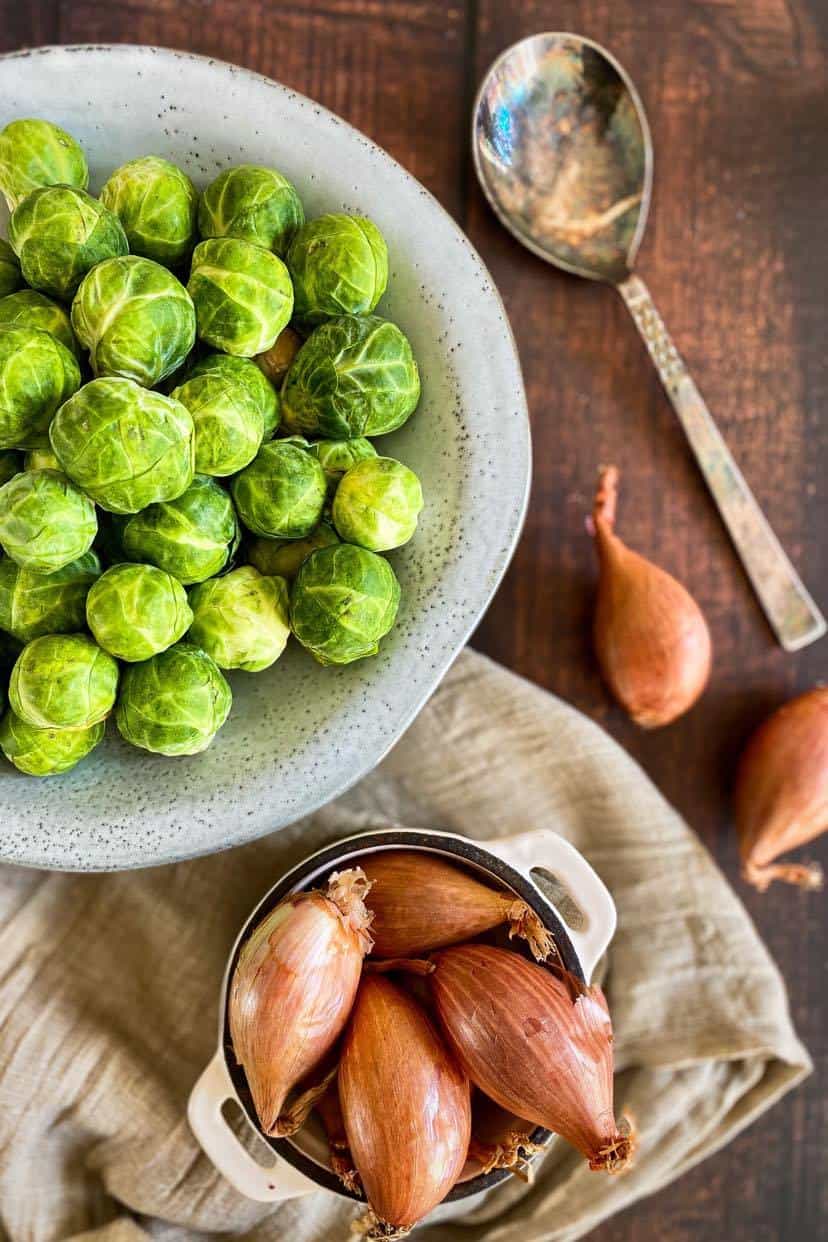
x,y
192,537
41,459
11,463
35,153
157,205
135,611
256,204
354,376
285,557
339,266
377,504
58,234
126,446
241,620
281,493
344,601
243,371
337,456
46,752
228,418
135,318
242,295
30,309
63,681
45,521
37,374
33,604
10,277
174,703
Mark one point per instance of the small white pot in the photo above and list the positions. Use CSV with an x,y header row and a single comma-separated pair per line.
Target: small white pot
x,y
301,1163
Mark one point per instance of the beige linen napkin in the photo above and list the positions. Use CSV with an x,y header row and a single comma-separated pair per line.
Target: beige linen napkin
x,y
109,988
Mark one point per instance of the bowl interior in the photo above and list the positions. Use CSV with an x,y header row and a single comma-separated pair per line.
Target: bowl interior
x,y
298,734
307,1150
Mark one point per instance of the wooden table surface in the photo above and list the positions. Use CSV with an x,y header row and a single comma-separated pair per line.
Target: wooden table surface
x,y
736,255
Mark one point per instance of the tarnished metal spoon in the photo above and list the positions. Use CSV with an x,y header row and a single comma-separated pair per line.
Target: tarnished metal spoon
x,y
564,155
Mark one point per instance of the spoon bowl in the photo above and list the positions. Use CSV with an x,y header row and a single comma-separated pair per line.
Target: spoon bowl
x,y
563,152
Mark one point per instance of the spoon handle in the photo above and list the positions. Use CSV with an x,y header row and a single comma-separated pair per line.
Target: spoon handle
x,y
789,608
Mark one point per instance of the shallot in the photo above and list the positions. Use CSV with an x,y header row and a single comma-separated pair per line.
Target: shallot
x,y
781,796
532,1046
405,1103
292,990
422,902
651,639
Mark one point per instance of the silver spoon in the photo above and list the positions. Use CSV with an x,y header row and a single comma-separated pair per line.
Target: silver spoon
x,y
563,152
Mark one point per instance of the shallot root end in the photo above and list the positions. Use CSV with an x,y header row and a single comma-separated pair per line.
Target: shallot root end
x,y
807,876
616,1155
523,922
514,1153
348,890
370,1227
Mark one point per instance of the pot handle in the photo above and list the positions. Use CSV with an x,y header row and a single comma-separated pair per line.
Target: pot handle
x,y
242,1170
544,848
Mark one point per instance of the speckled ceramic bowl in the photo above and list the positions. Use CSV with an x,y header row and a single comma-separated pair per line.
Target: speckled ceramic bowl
x,y
298,734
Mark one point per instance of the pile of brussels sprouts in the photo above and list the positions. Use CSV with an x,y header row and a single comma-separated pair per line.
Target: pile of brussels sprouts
x,y
189,387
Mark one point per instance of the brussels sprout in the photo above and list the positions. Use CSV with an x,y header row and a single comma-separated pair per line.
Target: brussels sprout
x,y
377,504
124,445
285,556
228,418
354,376
41,459
37,374
241,620
275,362
344,601
10,277
242,295
339,266
243,371
282,492
45,521
35,153
46,752
63,681
158,206
174,703
135,611
337,456
135,318
192,537
30,309
257,204
33,604
58,234
11,463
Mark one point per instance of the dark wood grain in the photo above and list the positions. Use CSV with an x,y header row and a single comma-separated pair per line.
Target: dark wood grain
x,y
737,258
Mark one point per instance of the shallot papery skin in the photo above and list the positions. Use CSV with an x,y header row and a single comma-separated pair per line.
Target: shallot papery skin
x,y
523,1040
293,988
651,639
781,793
422,902
405,1102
